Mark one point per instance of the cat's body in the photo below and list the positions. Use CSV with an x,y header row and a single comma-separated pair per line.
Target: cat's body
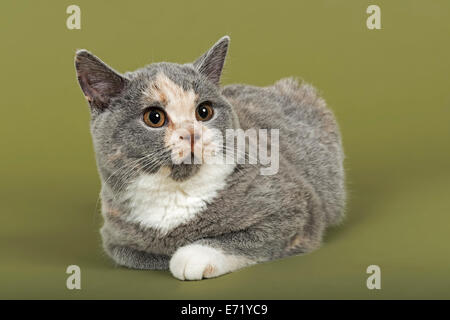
x,y
216,218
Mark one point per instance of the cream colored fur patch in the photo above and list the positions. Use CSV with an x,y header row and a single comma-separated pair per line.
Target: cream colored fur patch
x,y
178,103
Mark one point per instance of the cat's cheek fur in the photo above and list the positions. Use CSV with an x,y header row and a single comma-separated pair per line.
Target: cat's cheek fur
x,y
197,261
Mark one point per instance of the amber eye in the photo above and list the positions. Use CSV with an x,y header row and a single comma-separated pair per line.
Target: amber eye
x,y
204,112
154,117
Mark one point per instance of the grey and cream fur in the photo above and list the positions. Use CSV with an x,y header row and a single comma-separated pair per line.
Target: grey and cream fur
x,y
205,220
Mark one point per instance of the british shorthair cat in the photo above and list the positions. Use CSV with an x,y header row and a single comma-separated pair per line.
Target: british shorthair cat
x,y
167,205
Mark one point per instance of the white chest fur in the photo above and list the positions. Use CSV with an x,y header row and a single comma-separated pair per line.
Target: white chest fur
x,y
161,203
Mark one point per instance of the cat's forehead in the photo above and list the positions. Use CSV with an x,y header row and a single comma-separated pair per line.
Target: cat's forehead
x,y
183,75
179,101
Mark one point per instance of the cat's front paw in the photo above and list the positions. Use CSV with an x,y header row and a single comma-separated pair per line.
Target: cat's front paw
x,y
196,261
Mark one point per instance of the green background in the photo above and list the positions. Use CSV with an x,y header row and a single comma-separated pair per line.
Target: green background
x,y
389,89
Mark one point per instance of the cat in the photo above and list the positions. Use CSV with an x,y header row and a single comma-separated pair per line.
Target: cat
x,y
205,220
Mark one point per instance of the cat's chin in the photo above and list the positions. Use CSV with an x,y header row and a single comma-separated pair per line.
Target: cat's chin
x,y
181,172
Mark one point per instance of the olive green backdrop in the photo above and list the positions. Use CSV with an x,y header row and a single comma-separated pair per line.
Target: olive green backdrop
x,y
389,89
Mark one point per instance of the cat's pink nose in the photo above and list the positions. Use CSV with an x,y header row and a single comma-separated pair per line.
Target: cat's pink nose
x,y
190,137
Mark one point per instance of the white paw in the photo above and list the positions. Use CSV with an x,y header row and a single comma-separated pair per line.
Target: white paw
x,y
195,262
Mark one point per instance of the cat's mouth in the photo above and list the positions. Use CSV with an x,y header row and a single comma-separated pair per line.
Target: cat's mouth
x,y
184,168
183,171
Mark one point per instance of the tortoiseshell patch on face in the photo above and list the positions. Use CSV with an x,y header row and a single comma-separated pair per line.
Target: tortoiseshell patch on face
x,y
184,134
178,103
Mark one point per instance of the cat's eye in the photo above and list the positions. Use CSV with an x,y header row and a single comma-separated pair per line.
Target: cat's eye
x,y
154,117
204,112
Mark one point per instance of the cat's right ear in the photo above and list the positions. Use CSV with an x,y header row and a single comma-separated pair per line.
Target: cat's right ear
x,y
98,81
211,63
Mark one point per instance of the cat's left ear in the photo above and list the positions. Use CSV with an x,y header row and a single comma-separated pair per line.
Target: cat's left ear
x,y
99,82
211,63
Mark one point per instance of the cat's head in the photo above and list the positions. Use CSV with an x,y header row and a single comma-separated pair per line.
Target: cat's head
x,y
158,116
